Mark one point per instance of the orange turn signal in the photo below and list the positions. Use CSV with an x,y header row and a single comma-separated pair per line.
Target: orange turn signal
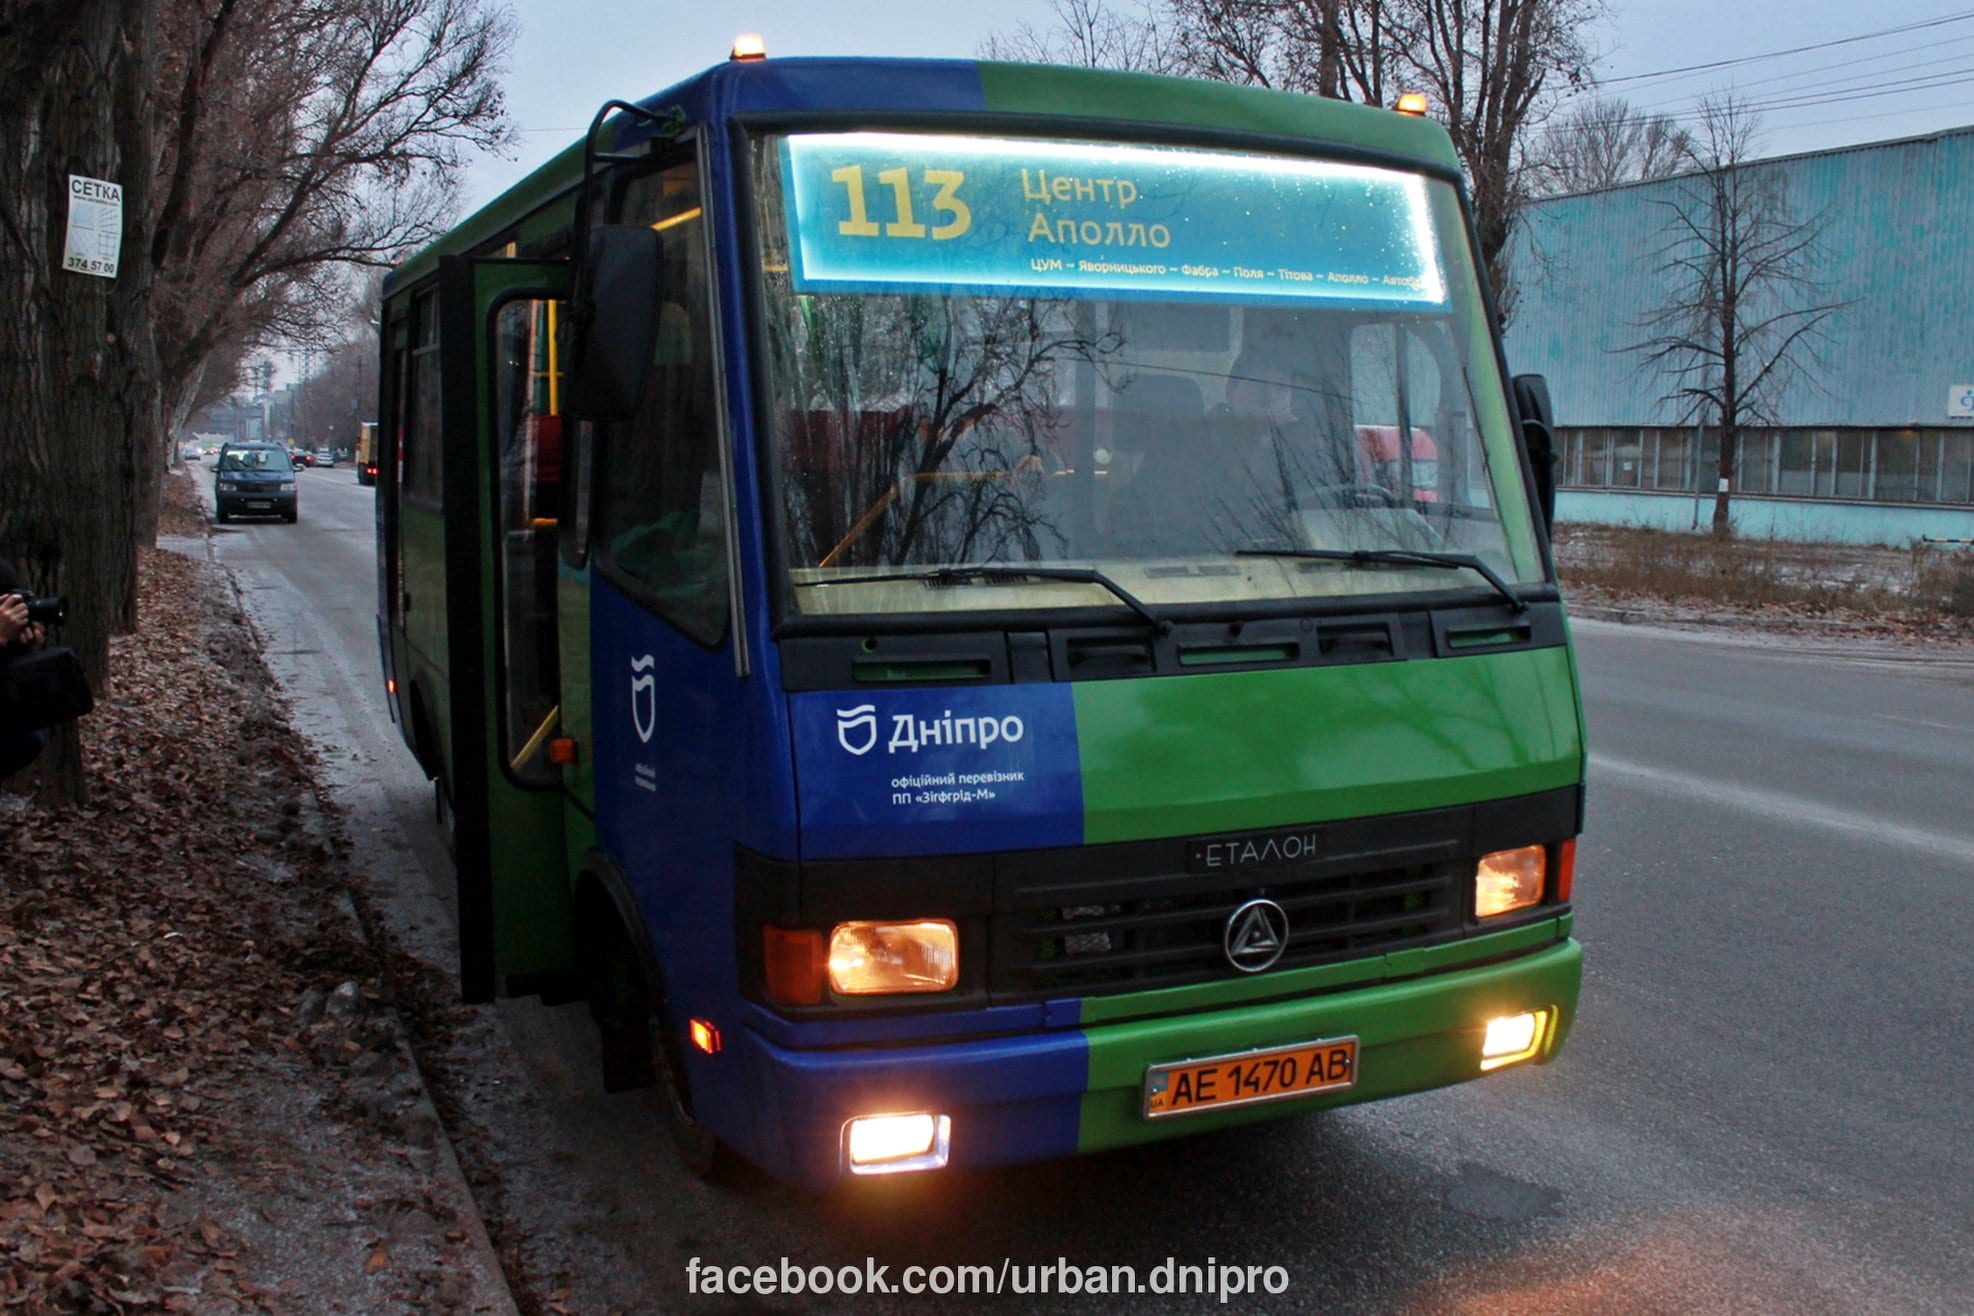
x,y
706,1036
1565,869
793,962
562,750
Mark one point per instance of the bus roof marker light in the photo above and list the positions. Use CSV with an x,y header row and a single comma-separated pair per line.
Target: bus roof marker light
x,y
1413,103
748,45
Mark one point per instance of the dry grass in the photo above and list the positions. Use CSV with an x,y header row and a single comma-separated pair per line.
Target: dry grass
x,y
1928,584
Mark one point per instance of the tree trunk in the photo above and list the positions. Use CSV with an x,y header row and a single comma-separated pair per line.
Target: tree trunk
x,y
153,458
1730,440
77,365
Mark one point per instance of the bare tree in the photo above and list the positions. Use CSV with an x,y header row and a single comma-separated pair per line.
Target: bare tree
x,y
1602,143
1745,300
308,136
335,400
1090,33
1488,64
1337,49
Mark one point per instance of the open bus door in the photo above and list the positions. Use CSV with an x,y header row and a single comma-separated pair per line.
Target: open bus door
x,y
502,472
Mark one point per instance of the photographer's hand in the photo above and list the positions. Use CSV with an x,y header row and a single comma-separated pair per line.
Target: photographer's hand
x,y
14,624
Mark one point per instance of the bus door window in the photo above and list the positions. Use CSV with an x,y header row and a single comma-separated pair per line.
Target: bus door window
x,y
420,442
390,462
527,437
578,464
662,519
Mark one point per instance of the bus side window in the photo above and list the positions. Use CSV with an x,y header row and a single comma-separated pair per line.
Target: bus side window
x,y
662,506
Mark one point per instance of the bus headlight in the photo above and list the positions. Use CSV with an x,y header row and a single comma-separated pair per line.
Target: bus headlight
x,y
1513,1038
888,1144
1509,880
869,958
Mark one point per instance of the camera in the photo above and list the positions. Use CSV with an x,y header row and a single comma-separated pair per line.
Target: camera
x,y
46,609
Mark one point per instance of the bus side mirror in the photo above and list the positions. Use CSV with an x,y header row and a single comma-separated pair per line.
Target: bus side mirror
x,y
1539,438
616,321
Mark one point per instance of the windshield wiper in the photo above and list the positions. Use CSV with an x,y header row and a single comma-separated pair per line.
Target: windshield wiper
x,y
1011,575
1415,557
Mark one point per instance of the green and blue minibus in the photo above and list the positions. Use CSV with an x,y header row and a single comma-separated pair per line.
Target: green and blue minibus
x,y
881,561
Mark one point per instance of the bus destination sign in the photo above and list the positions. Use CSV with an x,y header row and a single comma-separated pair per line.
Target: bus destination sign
x,y
901,212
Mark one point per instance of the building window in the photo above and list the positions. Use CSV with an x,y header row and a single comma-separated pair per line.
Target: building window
x,y
1886,466
1956,464
1674,467
1895,467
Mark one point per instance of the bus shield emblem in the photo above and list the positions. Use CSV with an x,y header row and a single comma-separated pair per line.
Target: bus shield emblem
x,y
644,698
1257,934
861,720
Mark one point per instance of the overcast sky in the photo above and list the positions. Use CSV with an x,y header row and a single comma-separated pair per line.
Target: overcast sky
x,y
570,57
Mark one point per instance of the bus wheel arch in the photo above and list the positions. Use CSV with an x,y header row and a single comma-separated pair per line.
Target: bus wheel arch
x,y
626,989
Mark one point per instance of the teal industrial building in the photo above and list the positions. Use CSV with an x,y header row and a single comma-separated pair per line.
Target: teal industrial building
x,y
1872,442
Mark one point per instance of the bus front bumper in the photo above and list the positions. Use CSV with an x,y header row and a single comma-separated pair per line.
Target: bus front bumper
x,y
1036,1096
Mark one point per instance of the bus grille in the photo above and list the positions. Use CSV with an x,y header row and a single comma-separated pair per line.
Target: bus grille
x,y
1166,941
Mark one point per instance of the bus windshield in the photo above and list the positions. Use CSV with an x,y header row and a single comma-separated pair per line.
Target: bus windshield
x,y
1174,367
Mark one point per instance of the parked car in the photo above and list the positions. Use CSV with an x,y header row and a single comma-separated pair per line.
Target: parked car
x,y
255,479
325,456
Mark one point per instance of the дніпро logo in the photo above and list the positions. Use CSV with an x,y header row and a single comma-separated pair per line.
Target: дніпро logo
x,y
861,718
644,697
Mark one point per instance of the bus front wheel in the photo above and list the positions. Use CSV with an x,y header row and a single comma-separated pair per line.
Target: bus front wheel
x,y
634,1020
701,1153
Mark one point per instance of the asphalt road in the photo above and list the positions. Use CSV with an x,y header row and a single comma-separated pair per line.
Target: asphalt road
x,y
1765,1105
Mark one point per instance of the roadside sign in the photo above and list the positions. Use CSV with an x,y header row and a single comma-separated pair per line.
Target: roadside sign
x,y
95,227
1960,402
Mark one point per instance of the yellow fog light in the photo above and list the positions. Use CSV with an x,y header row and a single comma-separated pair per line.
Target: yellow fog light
x,y
873,959
1513,1038
1509,880
892,1144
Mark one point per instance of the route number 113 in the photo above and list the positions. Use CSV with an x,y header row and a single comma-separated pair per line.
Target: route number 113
x,y
945,201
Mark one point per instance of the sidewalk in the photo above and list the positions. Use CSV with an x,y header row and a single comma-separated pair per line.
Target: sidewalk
x,y
206,1100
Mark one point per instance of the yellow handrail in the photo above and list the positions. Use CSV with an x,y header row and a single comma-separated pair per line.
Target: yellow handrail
x,y
536,741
